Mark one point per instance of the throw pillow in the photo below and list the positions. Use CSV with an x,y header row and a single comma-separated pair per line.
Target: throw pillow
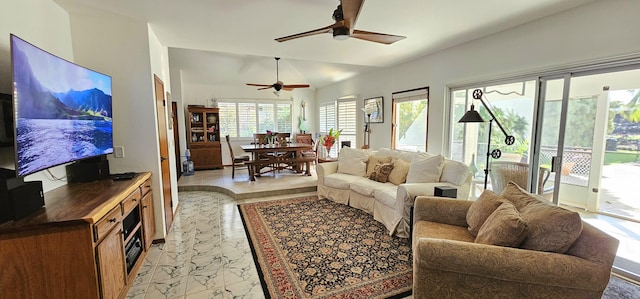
x,y
454,172
399,172
551,228
373,161
381,172
425,170
481,209
518,196
352,161
504,227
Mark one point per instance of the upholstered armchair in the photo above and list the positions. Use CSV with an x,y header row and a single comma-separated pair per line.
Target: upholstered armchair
x,y
449,263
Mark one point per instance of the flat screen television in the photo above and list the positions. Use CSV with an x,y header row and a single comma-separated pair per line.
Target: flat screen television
x,y
62,110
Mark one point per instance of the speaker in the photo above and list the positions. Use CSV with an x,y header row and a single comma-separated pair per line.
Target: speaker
x,y
26,198
88,170
5,206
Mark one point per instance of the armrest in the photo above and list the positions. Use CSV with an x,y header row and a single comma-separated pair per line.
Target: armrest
x,y
509,264
325,169
441,210
408,192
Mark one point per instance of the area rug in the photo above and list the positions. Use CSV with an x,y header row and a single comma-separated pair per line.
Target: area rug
x,y
311,248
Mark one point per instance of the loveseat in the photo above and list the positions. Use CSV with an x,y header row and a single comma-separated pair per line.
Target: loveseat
x,y
512,245
389,198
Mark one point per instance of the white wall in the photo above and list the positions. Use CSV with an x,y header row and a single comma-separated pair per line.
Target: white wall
x,y
45,25
159,56
119,46
600,30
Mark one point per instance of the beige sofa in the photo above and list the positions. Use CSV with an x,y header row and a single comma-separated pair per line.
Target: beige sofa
x,y
346,181
543,251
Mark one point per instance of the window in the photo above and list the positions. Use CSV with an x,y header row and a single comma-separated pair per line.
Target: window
x,y
347,121
241,119
513,106
410,109
327,117
339,115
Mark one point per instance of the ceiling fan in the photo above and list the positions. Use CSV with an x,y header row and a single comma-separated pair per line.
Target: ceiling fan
x,y
345,16
279,85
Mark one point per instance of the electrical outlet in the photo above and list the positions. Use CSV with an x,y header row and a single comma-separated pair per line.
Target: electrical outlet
x,y
118,151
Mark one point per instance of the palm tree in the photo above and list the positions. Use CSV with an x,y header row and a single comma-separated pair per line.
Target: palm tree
x,y
632,111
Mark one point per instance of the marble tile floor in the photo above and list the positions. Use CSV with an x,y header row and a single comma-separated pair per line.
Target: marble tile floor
x,y
206,253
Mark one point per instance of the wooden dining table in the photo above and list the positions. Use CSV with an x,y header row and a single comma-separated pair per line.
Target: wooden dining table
x,y
280,156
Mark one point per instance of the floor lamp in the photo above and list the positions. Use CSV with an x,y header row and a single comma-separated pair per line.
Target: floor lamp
x,y
367,130
472,116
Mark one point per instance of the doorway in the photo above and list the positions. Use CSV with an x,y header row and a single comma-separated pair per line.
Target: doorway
x,y
588,135
164,151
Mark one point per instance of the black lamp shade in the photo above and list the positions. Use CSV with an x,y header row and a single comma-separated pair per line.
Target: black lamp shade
x,y
472,116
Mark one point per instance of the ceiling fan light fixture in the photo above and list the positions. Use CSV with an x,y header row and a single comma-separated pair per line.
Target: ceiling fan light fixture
x,y
277,93
340,33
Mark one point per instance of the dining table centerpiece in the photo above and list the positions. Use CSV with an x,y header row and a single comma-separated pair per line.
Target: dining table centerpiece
x,y
329,140
270,137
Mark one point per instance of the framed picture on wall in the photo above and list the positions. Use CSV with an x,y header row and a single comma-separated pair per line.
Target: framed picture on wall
x,y
375,107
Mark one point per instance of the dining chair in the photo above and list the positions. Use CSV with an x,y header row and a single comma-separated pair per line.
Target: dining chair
x,y
261,139
502,172
283,139
238,161
307,139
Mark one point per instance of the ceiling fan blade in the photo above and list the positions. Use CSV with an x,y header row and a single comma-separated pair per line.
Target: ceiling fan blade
x,y
265,87
292,86
382,38
259,85
308,33
287,88
350,11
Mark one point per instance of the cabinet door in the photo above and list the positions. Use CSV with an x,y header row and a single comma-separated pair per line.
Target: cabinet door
x,y
111,264
202,157
148,220
196,126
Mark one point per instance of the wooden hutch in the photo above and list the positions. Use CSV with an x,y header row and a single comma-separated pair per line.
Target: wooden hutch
x,y
203,137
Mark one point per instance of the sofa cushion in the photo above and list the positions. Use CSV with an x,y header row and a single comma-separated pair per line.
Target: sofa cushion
x,y
428,229
340,180
481,209
395,155
518,196
381,172
550,228
504,227
365,186
373,161
454,172
425,169
398,174
386,194
352,161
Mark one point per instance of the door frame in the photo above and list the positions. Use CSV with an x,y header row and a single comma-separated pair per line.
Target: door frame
x,y
165,179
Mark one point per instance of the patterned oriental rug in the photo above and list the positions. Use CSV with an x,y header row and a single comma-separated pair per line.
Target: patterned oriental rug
x,y
311,248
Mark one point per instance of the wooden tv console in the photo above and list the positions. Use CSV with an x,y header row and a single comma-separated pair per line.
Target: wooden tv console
x,y
75,247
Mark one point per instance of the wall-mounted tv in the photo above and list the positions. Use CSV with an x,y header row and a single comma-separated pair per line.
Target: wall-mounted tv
x,y
62,110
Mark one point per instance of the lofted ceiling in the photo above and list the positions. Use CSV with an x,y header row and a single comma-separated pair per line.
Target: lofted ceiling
x,y
225,42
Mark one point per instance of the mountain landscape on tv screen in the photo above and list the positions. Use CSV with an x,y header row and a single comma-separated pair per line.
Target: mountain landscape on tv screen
x,y
36,101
